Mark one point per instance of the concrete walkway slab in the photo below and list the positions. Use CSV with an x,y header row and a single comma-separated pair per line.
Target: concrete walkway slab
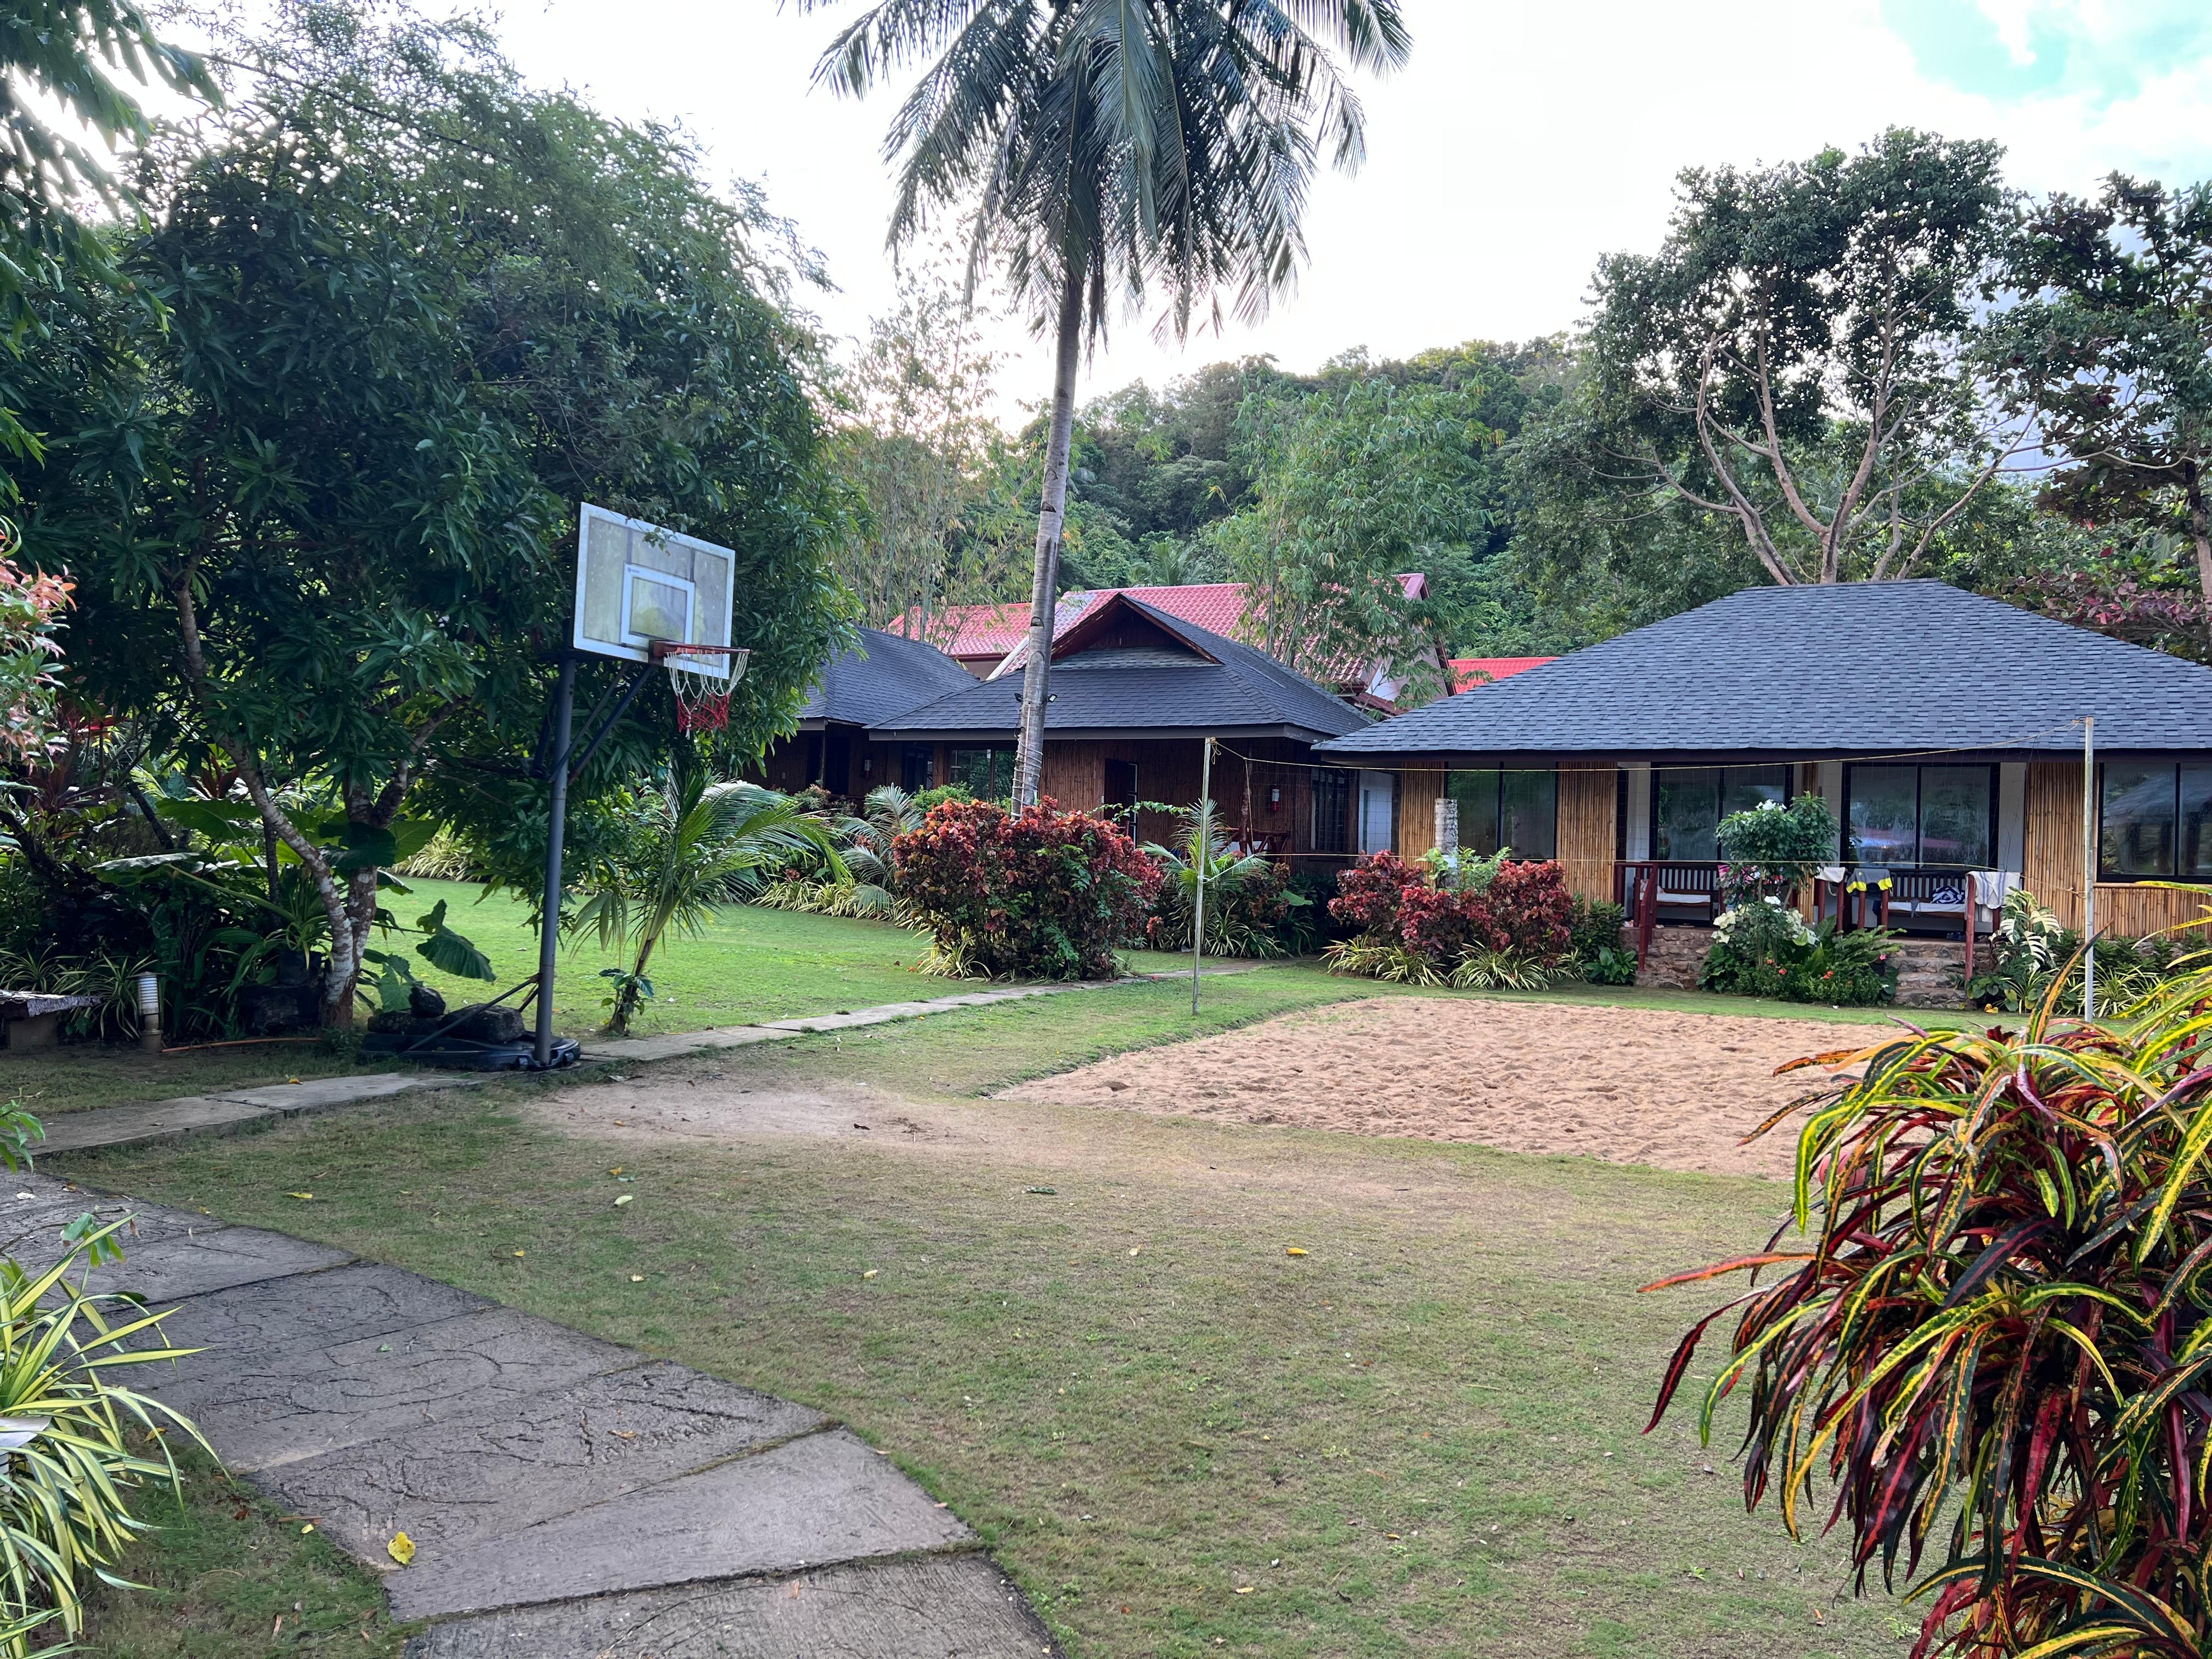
x,y
463,1485
677,1044
957,1608
253,1326
316,1094
153,1122
314,1401
197,1260
824,1499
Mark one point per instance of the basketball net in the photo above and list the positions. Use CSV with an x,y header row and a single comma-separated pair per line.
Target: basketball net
x,y
702,678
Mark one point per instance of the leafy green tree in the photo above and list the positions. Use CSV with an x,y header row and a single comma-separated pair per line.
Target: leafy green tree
x,y
913,453
1357,484
321,520
1111,147
684,849
2111,337
1799,359
63,50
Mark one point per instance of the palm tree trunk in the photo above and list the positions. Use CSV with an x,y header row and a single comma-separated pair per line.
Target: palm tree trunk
x,y
1028,749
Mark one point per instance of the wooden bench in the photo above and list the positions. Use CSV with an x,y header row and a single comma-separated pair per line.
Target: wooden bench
x,y
31,1020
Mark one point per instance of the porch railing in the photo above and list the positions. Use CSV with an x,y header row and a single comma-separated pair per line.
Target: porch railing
x,y
1920,897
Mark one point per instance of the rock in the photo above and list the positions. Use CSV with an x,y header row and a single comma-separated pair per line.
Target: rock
x,y
424,1003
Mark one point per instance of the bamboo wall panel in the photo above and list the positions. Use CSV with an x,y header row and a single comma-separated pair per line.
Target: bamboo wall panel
x,y
2051,867
1075,775
1588,796
1418,795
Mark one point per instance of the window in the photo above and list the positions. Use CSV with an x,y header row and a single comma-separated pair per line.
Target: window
x,y
1518,808
917,762
1908,816
1689,802
988,774
2155,821
1378,812
1332,806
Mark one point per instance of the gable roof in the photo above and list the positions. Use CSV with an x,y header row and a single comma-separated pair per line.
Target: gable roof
x,y
881,675
1182,680
1217,607
1856,668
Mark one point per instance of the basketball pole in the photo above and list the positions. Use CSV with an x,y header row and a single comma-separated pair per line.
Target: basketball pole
x,y
556,826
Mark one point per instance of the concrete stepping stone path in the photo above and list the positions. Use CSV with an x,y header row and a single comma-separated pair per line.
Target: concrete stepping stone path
x,y
568,1499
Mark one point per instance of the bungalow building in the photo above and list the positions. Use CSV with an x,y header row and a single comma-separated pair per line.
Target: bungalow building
x,y
991,640
1943,729
1134,692
880,676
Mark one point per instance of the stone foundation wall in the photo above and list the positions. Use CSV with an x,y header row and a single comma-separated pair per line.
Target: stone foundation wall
x,y
1931,975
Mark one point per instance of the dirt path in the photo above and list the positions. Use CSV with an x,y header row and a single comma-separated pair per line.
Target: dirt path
x,y
1627,1084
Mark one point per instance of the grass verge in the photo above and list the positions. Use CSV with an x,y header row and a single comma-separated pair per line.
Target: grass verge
x,y
1086,1331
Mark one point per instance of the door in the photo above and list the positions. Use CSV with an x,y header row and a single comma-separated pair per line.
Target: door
x,y
1121,797
1378,812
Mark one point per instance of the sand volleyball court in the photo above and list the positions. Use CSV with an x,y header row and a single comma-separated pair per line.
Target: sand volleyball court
x,y
1630,1084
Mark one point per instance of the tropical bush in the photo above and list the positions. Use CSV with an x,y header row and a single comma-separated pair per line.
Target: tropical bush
x,y
1764,948
1984,1348
1501,925
2032,953
1771,850
1593,943
860,882
686,847
69,1435
1038,894
1248,900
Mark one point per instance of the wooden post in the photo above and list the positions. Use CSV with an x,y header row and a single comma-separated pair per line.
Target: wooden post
x,y
2089,866
1204,853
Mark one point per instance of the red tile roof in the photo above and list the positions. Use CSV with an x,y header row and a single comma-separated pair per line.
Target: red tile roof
x,y
1470,671
968,631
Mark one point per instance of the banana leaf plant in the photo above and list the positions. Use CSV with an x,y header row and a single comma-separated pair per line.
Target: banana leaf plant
x,y
1983,1340
1232,880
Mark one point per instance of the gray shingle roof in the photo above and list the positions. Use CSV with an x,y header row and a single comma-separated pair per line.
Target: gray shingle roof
x,y
1142,689
1861,668
881,676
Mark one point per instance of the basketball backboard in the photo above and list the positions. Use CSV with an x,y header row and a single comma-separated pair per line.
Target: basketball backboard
x,y
638,584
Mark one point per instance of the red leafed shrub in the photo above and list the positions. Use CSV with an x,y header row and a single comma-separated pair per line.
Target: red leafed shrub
x,y
1527,907
1986,1335
1367,895
1039,894
1411,929
1439,926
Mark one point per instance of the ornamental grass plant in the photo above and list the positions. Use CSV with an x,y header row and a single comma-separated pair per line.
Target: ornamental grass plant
x,y
1981,1343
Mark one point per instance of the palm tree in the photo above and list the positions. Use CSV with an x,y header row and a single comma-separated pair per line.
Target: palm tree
x,y
1114,143
1230,876
686,847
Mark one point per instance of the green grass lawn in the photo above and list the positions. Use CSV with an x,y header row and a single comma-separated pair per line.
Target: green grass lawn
x,y
1422,1437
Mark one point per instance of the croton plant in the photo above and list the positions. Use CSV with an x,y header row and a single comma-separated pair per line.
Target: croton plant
x,y
1983,1341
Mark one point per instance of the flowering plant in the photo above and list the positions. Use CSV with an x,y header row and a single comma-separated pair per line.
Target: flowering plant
x,y
31,604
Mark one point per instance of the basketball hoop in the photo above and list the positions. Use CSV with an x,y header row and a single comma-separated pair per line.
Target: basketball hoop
x,y
701,677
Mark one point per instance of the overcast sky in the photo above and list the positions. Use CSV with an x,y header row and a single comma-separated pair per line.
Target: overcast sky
x,y
1523,140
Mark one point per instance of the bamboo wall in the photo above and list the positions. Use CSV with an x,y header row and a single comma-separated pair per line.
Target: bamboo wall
x,y
2052,865
1589,796
1418,795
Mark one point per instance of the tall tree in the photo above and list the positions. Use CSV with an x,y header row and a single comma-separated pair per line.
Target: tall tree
x,y
1108,145
1356,483
2112,336
1798,360
63,51
913,452
320,519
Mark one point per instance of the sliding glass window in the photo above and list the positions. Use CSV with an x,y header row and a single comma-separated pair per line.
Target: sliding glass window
x,y
1910,815
2153,822
987,772
1689,802
1519,808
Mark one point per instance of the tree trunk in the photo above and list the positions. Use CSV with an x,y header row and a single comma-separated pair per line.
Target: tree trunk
x,y
2200,532
1029,750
